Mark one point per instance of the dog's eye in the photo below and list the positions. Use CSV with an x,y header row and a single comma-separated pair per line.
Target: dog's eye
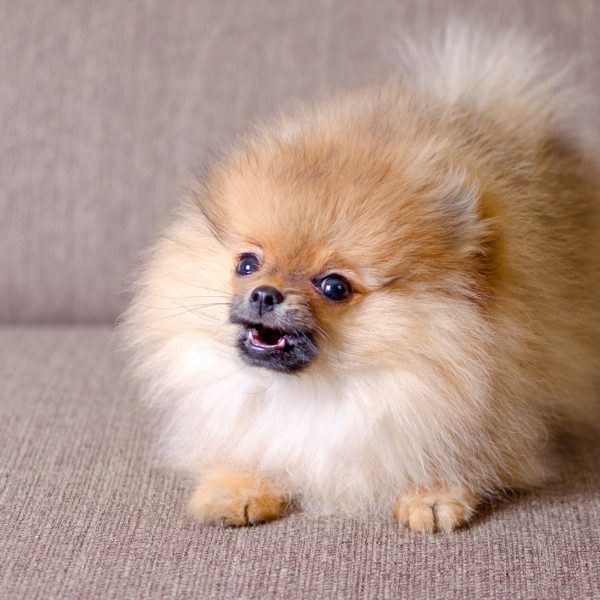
x,y
335,288
248,264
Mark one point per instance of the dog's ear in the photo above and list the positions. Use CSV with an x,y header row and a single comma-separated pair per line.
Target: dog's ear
x,y
467,209
199,196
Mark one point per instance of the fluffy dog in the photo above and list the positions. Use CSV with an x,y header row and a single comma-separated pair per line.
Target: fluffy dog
x,y
384,303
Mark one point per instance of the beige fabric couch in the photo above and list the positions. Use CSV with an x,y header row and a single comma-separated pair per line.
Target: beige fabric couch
x,y
105,107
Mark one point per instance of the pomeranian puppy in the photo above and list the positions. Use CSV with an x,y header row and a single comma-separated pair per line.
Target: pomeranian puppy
x,y
384,303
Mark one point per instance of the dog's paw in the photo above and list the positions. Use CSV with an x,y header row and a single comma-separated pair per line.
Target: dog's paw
x,y
439,509
233,499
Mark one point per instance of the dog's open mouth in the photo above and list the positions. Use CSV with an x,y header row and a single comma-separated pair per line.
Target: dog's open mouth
x,y
264,339
276,349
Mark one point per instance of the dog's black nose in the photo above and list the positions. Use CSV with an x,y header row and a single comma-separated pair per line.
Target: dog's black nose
x,y
264,298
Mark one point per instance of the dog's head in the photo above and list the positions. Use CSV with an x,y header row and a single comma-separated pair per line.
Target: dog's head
x,y
335,242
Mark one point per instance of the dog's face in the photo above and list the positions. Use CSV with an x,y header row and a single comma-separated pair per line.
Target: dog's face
x,y
286,298
333,245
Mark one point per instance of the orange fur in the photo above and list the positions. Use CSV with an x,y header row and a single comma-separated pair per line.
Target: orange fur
x,y
226,497
469,230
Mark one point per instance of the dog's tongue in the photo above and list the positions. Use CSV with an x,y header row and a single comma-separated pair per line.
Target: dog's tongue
x,y
267,338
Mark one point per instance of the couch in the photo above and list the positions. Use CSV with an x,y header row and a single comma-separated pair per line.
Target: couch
x,y
106,108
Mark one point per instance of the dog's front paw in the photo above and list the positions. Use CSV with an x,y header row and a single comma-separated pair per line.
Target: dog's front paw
x,y
233,499
436,509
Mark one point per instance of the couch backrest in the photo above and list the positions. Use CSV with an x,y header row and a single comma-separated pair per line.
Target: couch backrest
x,y
105,107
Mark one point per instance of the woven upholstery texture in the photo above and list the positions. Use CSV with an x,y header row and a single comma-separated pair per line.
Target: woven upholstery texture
x,y
88,512
108,107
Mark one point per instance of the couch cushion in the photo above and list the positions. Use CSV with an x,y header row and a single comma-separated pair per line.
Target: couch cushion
x,y
107,106
87,512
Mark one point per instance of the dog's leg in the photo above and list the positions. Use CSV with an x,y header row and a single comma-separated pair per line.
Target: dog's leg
x,y
436,509
235,498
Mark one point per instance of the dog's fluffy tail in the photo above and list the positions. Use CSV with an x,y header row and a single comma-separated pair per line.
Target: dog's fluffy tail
x,y
506,73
